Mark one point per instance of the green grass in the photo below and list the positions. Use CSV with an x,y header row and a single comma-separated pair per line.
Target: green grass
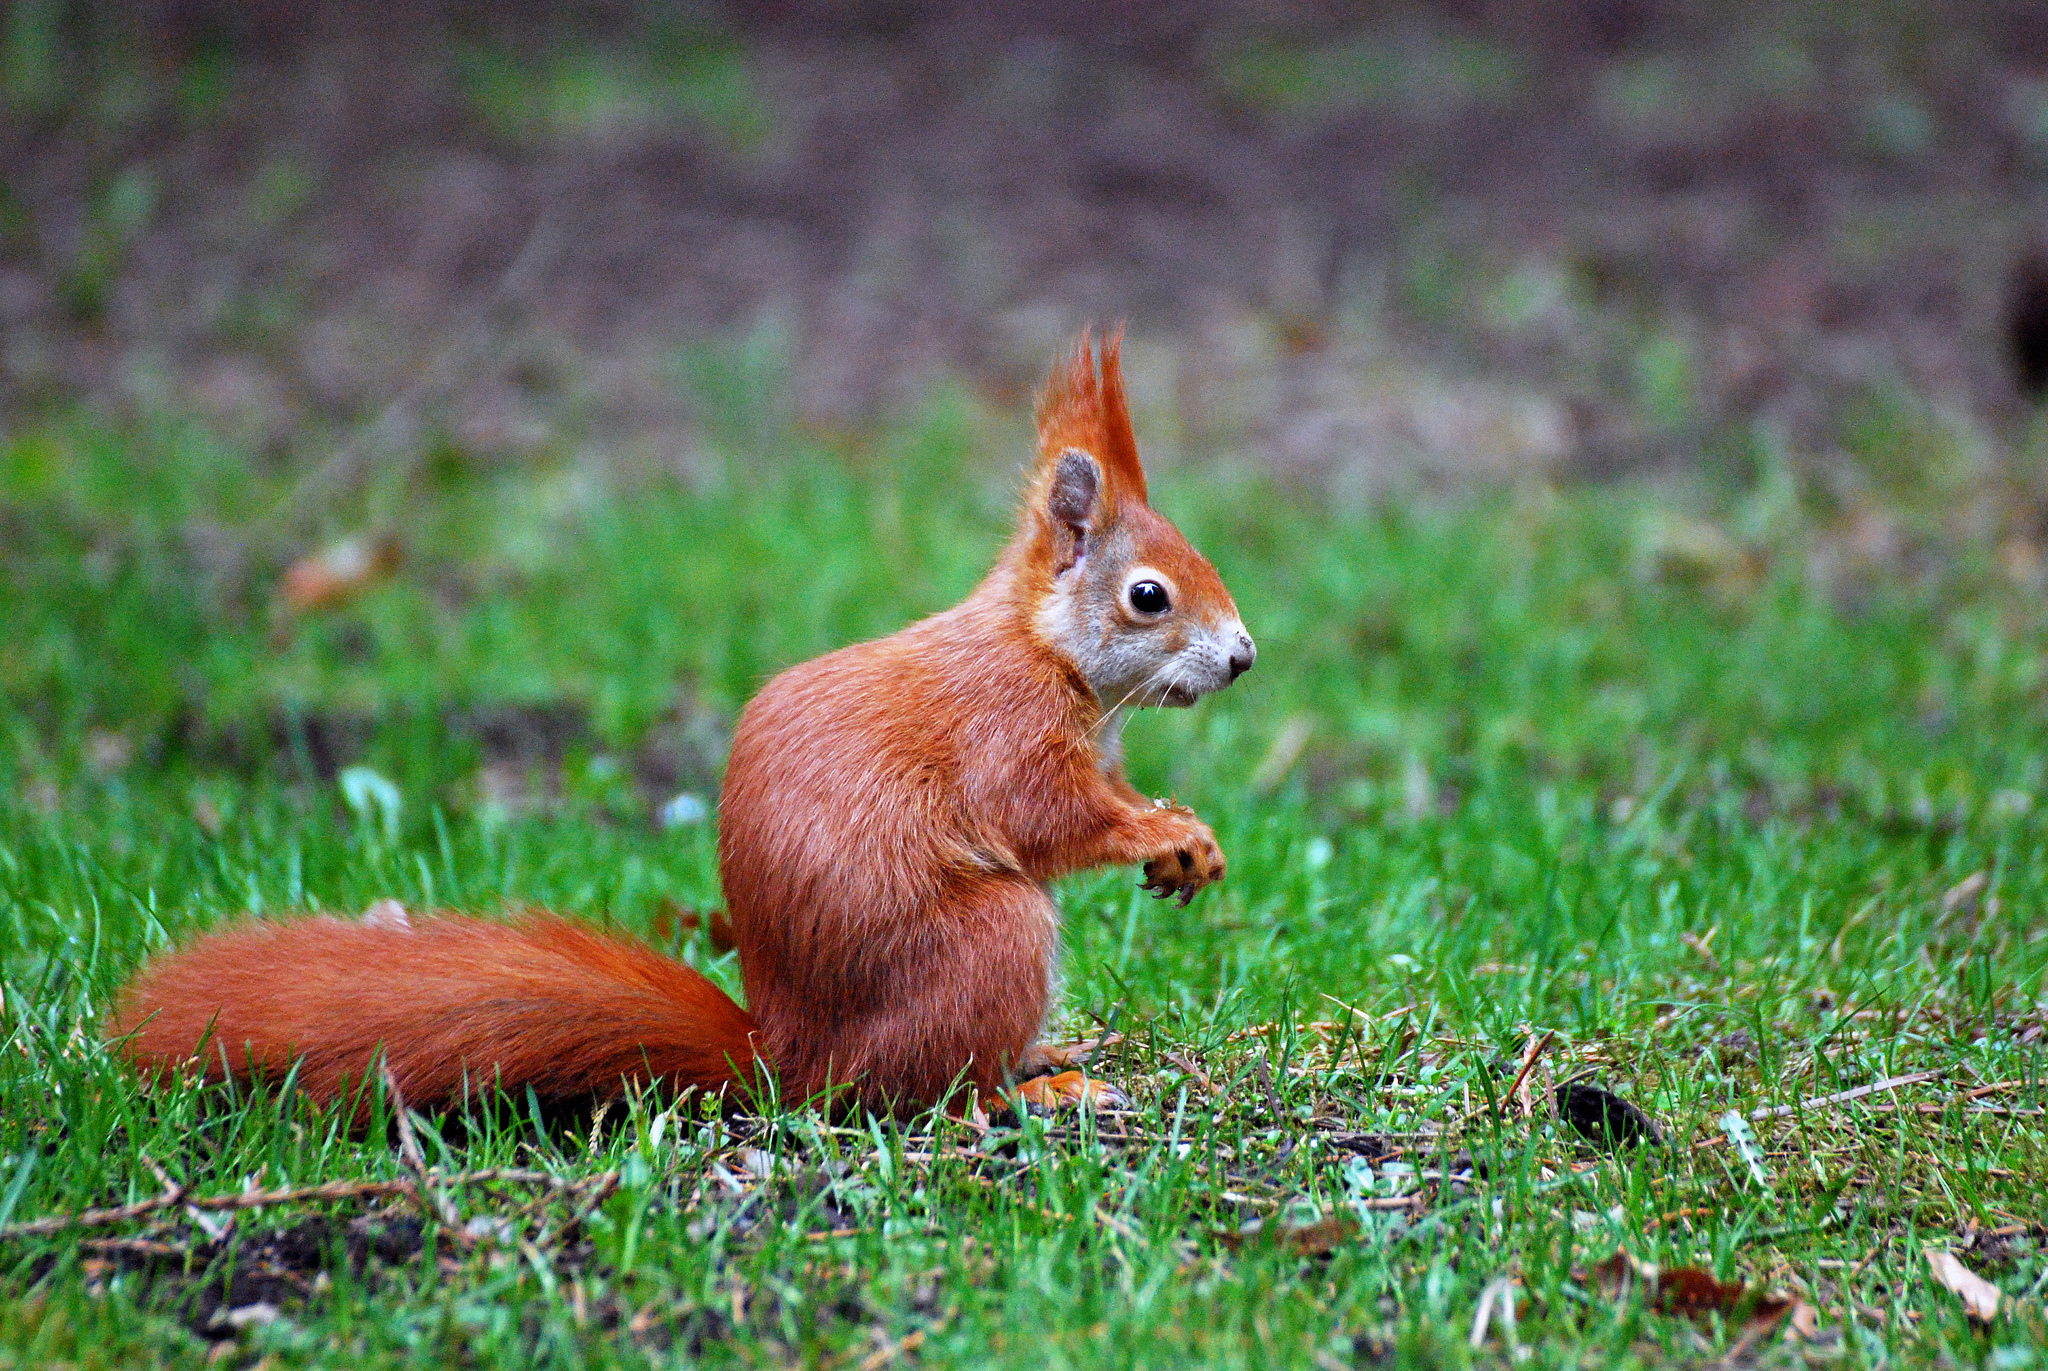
x,y
1494,777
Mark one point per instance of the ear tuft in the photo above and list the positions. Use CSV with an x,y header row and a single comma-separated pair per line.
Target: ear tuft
x,y
1081,409
1119,443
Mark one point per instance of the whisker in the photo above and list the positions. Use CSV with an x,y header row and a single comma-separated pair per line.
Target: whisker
x,y
1140,687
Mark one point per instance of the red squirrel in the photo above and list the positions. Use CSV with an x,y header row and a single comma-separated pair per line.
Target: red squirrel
x,y
891,815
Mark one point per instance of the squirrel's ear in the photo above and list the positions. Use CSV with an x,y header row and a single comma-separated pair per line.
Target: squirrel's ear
x,y
1072,505
1089,410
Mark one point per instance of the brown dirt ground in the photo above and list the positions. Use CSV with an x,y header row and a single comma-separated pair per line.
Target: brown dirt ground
x,y
1425,272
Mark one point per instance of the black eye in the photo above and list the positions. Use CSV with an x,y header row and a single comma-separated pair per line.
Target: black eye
x,y
1149,597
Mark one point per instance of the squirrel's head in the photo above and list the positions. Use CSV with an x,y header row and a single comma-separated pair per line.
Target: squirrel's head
x,y
1124,597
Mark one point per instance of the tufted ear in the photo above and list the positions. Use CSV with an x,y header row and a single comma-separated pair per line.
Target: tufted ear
x,y
1071,505
1089,411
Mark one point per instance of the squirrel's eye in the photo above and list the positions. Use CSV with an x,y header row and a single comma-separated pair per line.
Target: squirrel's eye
x,y
1149,597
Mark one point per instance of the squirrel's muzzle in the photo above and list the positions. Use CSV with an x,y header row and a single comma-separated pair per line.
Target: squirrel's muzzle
x,y
1243,655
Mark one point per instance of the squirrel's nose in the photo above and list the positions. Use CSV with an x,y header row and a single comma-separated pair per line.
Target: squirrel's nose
x,y
1247,652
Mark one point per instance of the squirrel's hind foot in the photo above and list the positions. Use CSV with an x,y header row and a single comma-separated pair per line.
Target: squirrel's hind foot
x,y
1070,1089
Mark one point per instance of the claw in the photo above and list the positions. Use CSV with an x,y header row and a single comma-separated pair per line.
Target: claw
x,y
1071,1088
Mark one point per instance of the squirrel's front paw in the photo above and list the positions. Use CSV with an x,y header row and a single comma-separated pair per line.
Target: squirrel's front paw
x,y
1193,862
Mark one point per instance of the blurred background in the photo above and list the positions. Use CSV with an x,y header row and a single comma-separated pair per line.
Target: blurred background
x,y
348,350
1368,246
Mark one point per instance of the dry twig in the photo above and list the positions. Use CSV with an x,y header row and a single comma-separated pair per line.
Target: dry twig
x,y
1843,1097
1518,1092
1187,1065
215,1229
415,1161
262,1199
137,1247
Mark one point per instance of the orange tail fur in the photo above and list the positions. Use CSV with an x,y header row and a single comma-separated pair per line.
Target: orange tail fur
x,y
452,1003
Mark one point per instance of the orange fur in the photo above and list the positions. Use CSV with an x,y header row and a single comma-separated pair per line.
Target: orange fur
x,y
1081,409
452,1002
891,815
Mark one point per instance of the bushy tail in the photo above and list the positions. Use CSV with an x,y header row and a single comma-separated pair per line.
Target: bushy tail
x,y
452,1004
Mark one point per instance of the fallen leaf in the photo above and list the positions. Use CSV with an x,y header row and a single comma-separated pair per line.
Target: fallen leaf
x,y
1687,1290
1316,1238
1613,1276
675,921
1603,1118
1805,1320
1691,1291
1319,1238
1979,1296
337,573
